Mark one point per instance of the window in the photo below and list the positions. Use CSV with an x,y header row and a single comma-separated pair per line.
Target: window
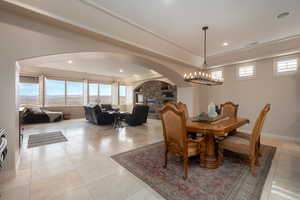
x,y
93,93
129,95
29,90
218,74
286,65
105,93
246,71
125,95
74,93
55,92
122,94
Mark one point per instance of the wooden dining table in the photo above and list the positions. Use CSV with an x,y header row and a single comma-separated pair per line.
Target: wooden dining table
x,y
210,130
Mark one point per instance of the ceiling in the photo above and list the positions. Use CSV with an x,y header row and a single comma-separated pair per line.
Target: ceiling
x,y
104,64
172,28
237,22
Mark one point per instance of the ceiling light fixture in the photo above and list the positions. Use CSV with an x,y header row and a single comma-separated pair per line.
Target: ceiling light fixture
x,y
282,15
70,61
121,70
203,77
225,44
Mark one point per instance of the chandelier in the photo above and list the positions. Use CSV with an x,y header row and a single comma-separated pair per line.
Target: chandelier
x,y
203,77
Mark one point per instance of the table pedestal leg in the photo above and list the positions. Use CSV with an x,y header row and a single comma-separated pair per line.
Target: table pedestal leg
x,y
211,160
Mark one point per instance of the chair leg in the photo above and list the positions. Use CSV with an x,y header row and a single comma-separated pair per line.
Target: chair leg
x,y
202,155
185,166
166,158
221,156
252,166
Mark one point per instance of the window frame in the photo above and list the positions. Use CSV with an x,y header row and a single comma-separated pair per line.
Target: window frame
x,y
119,94
88,93
285,58
45,93
238,67
39,100
99,93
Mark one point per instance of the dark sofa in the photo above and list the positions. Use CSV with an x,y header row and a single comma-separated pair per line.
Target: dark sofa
x,y
37,115
138,116
95,115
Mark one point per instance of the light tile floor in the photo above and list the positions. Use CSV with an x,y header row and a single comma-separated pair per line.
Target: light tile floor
x,y
82,168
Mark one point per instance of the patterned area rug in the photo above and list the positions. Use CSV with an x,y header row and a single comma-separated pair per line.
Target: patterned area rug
x,y
45,139
231,181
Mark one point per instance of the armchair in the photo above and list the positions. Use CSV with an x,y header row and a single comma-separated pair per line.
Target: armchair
x,y
138,116
95,115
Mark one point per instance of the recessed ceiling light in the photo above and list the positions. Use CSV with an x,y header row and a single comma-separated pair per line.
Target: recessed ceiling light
x,y
282,15
121,70
225,44
70,61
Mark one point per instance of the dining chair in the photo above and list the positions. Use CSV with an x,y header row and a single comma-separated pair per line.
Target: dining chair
x,y
246,146
176,139
229,109
183,107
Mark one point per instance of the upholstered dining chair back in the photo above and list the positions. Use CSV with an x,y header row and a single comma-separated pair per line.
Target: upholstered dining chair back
x,y
183,107
255,135
174,128
229,109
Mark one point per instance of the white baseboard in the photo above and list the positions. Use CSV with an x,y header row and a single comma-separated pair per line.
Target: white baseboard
x,y
277,137
280,137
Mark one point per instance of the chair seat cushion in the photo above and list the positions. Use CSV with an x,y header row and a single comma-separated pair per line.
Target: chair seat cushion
x,y
236,144
243,135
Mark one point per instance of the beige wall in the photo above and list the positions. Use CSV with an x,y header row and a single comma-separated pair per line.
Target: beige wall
x,y
283,92
194,97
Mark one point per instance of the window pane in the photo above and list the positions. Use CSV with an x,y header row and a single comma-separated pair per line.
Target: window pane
x,y
287,65
55,92
105,93
93,93
122,94
29,93
74,93
246,71
122,90
129,95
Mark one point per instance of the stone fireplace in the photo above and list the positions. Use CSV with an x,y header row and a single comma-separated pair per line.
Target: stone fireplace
x,y
155,94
